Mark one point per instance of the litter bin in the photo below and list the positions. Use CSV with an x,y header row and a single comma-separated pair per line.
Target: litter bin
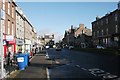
x,y
28,58
21,61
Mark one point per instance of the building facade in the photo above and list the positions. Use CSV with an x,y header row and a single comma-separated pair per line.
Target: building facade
x,y
106,30
8,22
78,37
28,35
69,37
83,37
19,29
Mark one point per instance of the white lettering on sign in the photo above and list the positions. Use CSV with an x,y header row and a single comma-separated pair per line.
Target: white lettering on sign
x,y
20,59
9,37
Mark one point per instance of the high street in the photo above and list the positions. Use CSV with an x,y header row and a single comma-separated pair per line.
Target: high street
x,y
82,65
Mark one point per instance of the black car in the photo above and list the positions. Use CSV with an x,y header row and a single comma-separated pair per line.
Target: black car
x,y
58,48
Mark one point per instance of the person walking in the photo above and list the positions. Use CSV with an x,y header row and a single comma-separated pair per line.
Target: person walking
x,y
9,57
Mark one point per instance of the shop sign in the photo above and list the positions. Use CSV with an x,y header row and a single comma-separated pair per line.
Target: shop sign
x,y
27,42
19,42
9,38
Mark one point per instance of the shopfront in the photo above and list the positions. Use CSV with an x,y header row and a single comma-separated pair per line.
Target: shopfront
x,y
11,43
19,45
27,45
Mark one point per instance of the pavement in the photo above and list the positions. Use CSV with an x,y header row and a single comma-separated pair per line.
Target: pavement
x,y
36,70
9,69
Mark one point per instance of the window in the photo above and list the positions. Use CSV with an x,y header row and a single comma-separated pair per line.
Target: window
x,y
94,33
103,40
116,39
106,41
9,8
106,20
107,31
8,26
12,12
97,23
3,25
116,28
97,33
93,24
102,22
115,17
4,5
102,32
12,28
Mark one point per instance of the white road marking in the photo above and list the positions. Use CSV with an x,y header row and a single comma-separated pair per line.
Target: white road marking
x,y
103,74
77,65
98,71
93,73
84,69
48,74
94,69
47,56
110,76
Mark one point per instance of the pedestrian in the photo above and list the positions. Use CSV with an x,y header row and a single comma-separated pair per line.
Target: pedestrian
x,y
9,57
20,51
36,50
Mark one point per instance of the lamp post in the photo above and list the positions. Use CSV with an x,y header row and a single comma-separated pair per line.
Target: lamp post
x,y
1,47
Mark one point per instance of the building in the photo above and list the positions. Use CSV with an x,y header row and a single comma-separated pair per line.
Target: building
x,y
19,29
106,30
28,35
69,37
83,37
48,38
83,30
83,41
78,37
8,22
40,42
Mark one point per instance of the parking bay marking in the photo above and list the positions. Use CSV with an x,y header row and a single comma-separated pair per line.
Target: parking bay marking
x,y
101,73
98,72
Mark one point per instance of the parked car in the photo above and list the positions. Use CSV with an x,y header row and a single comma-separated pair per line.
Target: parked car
x,y
47,47
58,48
100,47
71,47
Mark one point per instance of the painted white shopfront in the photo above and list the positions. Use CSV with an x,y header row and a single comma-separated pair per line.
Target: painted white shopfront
x,y
27,45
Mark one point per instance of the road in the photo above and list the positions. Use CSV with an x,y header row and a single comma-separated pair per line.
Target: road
x,y
76,64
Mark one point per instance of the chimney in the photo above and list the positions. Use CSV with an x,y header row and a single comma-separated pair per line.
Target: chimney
x,y
71,26
119,5
81,25
97,17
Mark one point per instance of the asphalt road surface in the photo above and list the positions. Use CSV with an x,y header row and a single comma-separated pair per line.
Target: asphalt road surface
x,y
82,65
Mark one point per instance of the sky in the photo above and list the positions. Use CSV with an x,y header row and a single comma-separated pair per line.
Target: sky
x,y
56,17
